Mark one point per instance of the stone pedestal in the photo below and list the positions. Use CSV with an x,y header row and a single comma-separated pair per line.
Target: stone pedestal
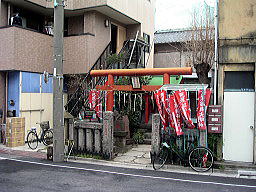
x,y
89,140
81,139
97,141
203,138
155,143
71,129
108,126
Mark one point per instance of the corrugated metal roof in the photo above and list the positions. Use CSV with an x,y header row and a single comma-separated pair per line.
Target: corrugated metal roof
x,y
172,36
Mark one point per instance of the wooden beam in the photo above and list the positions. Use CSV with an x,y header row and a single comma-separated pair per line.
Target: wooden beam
x,y
142,72
127,88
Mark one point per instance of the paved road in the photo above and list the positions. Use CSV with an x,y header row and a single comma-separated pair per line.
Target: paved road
x,y
20,174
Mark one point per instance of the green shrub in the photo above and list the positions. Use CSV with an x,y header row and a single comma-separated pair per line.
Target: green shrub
x,y
138,137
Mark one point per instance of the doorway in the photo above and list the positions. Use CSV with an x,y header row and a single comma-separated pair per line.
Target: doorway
x,y
238,124
113,39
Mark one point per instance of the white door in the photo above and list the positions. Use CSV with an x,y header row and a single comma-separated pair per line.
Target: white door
x,y
238,126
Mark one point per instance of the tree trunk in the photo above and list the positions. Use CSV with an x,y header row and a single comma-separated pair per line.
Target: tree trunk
x,y
202,70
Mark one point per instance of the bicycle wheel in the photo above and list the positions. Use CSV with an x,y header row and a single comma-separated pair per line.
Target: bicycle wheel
x,y
32,140
160,159
201,159
47,137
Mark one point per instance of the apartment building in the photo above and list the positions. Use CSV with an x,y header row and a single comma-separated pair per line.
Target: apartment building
x,y
90,26
236,78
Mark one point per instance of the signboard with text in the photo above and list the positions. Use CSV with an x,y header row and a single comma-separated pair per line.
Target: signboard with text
x,y
215,119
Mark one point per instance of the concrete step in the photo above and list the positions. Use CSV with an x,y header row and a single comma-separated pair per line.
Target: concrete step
x,y
146,126
142,130
129,141
243,170
246,173
147,135
234,165
147,141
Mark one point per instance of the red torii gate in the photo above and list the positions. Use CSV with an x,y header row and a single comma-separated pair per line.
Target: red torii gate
x,y
166,72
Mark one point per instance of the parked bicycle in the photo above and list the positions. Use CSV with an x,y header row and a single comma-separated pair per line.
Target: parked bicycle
x,y
200,159
45,135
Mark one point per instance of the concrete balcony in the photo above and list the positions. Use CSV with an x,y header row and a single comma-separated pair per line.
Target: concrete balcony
x,y
26,50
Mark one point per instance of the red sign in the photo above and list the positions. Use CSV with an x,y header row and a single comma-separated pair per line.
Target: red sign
x,y
215,119
215,110
214,128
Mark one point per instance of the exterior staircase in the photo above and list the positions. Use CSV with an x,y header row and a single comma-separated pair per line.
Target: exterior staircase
x,y
132,58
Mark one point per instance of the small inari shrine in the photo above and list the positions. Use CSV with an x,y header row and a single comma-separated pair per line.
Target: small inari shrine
x,y
126,108
172,102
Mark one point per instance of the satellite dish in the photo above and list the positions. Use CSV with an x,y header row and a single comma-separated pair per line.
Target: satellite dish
x,y
46,76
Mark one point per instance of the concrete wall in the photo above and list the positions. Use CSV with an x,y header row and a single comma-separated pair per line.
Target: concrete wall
x,y
237,18
237,33
26,50
138,11
81,52
78,4
169,55
39,2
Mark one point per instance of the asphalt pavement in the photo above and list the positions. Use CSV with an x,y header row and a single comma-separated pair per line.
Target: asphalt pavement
x,y
35,174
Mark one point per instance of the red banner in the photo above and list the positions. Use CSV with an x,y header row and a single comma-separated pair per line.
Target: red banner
x,y
175,117
203,102
161,103
182,100
208,93
95,103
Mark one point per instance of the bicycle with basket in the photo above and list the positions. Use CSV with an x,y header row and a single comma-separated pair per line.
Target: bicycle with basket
x,y
45,135
199,158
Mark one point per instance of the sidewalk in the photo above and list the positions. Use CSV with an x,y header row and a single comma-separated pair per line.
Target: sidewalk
x,y
25,151
138,157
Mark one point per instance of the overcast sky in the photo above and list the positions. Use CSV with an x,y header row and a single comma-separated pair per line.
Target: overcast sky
x,y
173,14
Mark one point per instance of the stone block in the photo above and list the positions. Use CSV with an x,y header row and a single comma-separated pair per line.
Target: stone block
x,y
155,138
108,138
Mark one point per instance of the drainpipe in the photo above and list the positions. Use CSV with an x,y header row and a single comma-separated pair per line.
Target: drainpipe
x,y
216,51
254,132
6,97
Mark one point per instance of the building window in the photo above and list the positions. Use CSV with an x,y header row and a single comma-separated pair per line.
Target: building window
x,y
239,81
146,38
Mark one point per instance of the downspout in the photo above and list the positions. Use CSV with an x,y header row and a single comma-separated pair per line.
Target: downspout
x,y
254,127
6,97
216,50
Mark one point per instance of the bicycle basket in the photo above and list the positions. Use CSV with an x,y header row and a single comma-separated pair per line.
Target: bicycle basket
x,y
45,125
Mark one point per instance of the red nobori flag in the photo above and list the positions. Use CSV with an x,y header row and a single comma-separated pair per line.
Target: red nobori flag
x,y
182,100
203,102
208,93
175,116
160,97
95,103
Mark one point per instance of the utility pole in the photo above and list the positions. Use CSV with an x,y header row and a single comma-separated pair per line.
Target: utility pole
x,y
58,108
